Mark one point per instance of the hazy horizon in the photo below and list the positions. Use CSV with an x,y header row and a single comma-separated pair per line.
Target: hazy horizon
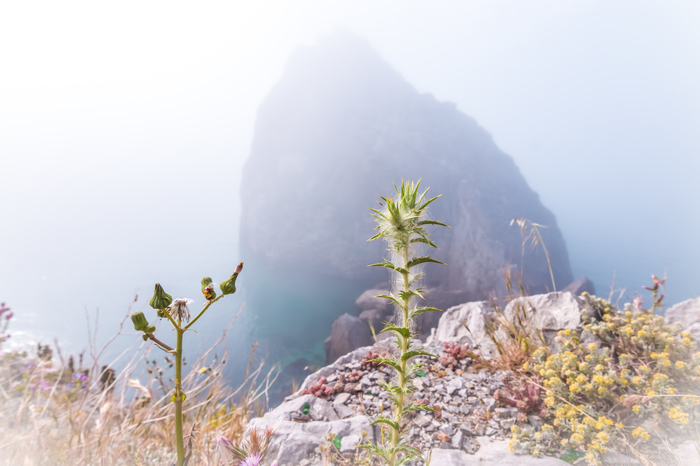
x,y
123,131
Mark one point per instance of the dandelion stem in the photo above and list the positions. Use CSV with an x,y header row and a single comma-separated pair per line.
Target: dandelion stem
x,y
209,303
178,400
172,321
162,345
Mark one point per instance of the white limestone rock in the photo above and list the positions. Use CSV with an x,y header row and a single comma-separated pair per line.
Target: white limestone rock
x,y
465,324
686,313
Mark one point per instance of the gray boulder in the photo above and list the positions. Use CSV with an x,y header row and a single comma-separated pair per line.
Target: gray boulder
x,y
687,314
530,461
466,324
549,312
369,301
293,442
348,333
490,453
688,452
445,457
615,458
375,318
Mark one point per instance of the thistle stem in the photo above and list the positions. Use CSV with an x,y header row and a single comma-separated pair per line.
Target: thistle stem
x,y
178,399
396,434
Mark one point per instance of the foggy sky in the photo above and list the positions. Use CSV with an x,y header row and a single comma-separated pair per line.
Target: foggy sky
x,y
124,127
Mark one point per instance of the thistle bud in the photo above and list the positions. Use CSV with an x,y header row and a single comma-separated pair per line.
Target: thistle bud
x,y
160,299
208,289
229,286
140,321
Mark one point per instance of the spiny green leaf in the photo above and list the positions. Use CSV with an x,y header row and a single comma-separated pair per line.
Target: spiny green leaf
x,y
417,407
403,331
377,450
387,421
423,240
420,310
391,298
389,265
407,449
432,222
421,260
424,205
377,236
407,295
389,362
412,354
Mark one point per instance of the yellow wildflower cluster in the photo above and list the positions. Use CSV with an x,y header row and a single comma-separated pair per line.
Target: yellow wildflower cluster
x,y
633,367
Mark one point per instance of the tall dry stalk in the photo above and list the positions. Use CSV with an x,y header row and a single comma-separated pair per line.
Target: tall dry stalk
x,y
530,232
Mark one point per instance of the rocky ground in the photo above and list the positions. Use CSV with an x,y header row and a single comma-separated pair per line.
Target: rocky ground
x,y
343,398
467,426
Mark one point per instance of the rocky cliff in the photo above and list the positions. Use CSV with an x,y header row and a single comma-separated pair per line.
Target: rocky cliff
x,y
336,131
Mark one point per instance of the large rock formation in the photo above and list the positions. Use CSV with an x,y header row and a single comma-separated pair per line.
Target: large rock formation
x,y
336,131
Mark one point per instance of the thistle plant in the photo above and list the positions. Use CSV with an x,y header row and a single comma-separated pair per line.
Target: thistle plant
x,y
178,314
401,222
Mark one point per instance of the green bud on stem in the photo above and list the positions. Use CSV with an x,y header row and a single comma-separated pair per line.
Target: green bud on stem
x,y
229,286
140,322
160,299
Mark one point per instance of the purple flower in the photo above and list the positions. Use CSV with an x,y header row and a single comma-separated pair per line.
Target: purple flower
x,y
32,388
70,385
253,459
83,386
44,385
250,452
9,316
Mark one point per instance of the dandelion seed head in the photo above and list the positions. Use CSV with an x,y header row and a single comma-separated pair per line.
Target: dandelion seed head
x,y
178,309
